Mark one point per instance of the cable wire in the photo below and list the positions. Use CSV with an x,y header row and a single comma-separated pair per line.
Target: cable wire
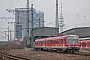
x,y
15,3
50,9
77,5
31,1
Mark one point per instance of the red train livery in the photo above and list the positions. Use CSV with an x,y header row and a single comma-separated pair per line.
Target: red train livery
x,y
68,43
84,42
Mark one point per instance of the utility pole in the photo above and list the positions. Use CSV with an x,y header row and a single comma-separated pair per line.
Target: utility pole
x,y
32,37
39,27
8,39
39,22
56,21
10,36
5,34
28,40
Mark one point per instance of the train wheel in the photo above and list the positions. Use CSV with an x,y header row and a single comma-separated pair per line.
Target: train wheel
x,y
72,51
65,51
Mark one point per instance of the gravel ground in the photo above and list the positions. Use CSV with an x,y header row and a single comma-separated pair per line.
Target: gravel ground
x,y
41,55
85,50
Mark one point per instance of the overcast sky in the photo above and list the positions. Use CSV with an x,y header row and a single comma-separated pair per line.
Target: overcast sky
x,y
76,13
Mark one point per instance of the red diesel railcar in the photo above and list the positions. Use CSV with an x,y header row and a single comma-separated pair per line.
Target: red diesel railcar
x,y
84,42
68,43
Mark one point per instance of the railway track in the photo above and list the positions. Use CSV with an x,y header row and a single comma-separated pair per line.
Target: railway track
x,y
76,53
82,54
13,57
20,57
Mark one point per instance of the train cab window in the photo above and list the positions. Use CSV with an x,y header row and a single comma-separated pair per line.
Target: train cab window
x,y
72,41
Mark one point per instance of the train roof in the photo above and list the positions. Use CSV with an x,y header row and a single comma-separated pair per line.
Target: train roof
x,y
58,37
81,39
40,39
71,35
84,40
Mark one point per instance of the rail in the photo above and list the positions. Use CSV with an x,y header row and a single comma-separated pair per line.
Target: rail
x,y
13,57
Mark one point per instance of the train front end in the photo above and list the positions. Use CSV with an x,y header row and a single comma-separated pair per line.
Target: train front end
x,y
73,44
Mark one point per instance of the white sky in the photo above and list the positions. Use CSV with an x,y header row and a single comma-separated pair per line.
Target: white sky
x,y
76,13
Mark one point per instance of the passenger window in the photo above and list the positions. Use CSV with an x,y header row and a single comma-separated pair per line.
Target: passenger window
x,y
88,44
58,41
47,42
61,41
51,41
64,41
41,42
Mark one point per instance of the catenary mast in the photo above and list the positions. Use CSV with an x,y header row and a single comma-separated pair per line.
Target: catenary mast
x,y
57,22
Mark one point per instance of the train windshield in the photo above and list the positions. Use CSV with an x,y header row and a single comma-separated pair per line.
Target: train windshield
x,y
72,41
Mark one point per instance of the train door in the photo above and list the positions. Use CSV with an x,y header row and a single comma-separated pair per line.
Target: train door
x,y
83,44
63,42
88,44
45,42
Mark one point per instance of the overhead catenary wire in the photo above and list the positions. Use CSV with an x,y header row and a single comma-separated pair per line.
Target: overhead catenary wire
x,y
6,13
81,23
31,1
10,3
76,13
34,1
9,13
86,9
77,5
80,18
50,9
15,3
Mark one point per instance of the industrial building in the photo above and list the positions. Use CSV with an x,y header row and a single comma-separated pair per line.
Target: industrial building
x,y
44,32
82,32
21,21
